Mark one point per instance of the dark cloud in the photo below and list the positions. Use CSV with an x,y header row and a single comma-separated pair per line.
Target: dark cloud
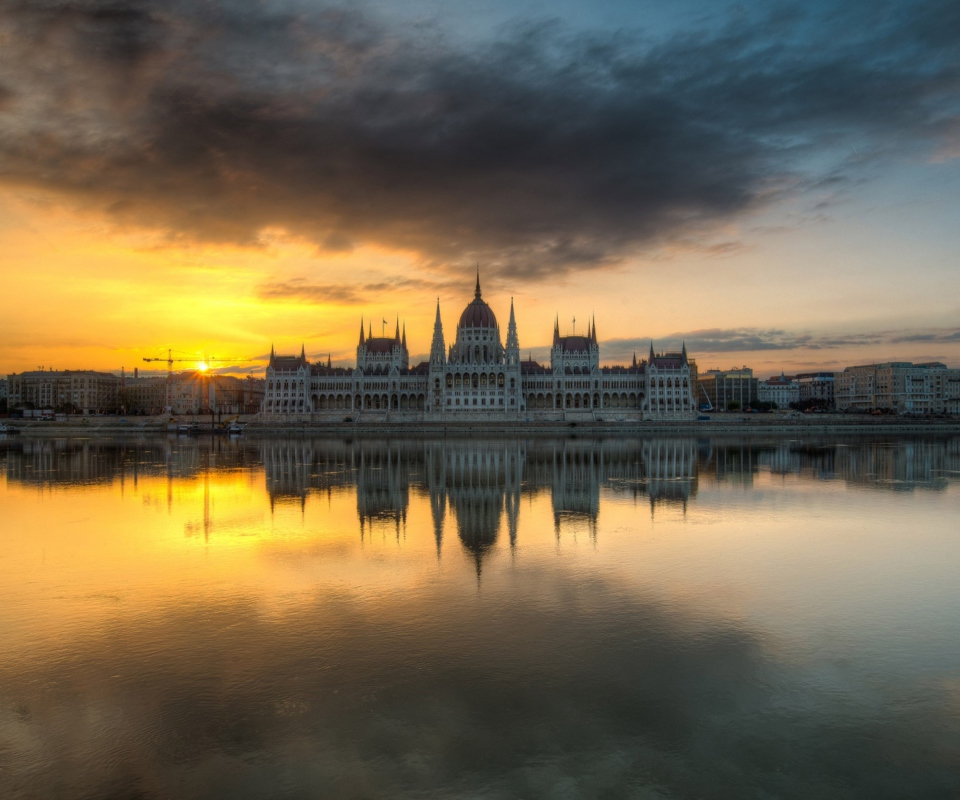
x,y
757,340
300,290
716,340
545,150
945,335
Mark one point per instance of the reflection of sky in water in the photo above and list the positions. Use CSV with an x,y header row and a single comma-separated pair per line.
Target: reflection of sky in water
x,y
659,618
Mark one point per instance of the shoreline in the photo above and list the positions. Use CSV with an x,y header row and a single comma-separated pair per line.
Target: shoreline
x,y
832,424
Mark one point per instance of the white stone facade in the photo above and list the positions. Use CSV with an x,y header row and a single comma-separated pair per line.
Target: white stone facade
x,y
782,391
480,376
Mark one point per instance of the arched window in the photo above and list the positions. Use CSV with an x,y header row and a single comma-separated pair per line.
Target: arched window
x,y
476,380
500,380
483,379
449,381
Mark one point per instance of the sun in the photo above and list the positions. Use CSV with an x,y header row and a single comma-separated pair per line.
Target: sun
x,y
203,366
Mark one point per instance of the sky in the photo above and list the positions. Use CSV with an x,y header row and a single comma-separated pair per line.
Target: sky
x,y
774,184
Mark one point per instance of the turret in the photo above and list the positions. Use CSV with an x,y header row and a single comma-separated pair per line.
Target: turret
x,y
437,347
513,341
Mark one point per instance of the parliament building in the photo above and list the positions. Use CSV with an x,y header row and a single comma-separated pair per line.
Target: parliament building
x,y
479,377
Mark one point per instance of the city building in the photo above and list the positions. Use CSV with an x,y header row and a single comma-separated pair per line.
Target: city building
x,y
816,389
779,390
3,391
72,391
899,387
236,395
147,395
726,389
196,392
480,376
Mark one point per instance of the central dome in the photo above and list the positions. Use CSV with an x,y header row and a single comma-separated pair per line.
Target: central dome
x,y
478,314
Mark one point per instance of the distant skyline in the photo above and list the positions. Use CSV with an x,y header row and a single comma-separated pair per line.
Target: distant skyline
x,y
774,184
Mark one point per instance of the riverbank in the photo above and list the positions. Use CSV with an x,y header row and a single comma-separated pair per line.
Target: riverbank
x,y
716,424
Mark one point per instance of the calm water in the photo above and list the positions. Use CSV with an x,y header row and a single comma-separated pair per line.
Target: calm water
x,y
652,618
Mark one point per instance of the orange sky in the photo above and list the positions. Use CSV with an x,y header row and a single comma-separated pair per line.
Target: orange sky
x,y
83,293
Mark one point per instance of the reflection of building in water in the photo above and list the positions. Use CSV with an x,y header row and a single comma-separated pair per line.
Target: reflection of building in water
x,y
671,469
731,462
381,473
572,469
575,488
899,465
383,485
481,481
663,470
51,462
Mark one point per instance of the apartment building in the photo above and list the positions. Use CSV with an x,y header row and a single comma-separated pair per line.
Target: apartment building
x,y
726,387
81,391
901,387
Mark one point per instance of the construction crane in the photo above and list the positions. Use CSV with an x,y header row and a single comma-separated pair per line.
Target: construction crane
x,y
203,362
170,360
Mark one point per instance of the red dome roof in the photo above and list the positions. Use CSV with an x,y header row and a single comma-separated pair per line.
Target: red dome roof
x,y
478,314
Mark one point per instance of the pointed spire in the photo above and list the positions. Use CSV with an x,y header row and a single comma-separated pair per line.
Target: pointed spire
x,y
396,336
272,354
683,352
403,342
556,330
361,330
593,335
329,362
370,335
652,356
476,293
634,358
437,346
303,352
513,341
